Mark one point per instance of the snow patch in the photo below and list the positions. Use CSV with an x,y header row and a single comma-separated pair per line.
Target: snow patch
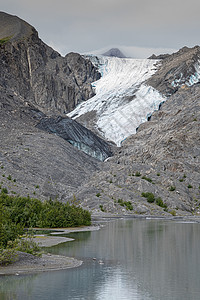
x,y
122,101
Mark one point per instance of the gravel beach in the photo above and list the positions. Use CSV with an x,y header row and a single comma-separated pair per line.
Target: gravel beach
x,y
27,263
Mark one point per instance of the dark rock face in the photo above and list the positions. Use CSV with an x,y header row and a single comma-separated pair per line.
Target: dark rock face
x,y
176,70
44,165
114,52
77,135
54,84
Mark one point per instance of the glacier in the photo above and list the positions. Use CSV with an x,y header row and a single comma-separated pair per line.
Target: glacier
x,y
123,101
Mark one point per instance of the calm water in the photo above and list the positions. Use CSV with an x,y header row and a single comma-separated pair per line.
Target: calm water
x,y
143,259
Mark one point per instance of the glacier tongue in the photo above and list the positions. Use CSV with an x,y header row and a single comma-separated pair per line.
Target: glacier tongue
x,y
122,101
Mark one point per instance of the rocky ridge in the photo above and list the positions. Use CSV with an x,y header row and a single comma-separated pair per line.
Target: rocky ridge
x,y
54,84
180,69
37,85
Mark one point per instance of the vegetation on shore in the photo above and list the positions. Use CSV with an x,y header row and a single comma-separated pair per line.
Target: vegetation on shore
x,y
17,212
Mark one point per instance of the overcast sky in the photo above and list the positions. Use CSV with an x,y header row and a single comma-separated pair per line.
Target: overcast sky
x,y
138,26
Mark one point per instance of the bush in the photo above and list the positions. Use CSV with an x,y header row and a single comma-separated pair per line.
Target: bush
x,y
149,196
160,203
29,212
98,194
147,179
4,191
172,188
7,256
173,213
101,207
26,244
190,186
137,174
127,204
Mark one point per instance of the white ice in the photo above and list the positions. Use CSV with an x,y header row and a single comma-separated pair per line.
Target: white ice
x,y
122,101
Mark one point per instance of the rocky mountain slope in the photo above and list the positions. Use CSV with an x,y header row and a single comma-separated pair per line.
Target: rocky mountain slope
x,y
52,83
155,171
38,151
162,158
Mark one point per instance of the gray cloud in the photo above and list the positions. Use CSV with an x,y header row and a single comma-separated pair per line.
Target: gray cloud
x,y
82,25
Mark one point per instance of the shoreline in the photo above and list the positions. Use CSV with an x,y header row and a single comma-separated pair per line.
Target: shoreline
x,y
29,264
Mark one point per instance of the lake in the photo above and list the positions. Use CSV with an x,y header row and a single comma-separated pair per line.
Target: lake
x,y
135,259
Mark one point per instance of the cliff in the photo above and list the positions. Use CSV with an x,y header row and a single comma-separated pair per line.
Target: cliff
x,y
37,73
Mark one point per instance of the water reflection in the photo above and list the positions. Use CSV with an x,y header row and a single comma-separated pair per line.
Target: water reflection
x,y
143,259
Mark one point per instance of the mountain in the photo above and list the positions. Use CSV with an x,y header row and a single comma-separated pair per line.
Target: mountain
x,y
40,146
162,158
52,83
149,108
114,52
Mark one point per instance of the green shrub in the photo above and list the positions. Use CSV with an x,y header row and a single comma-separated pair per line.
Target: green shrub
x,y
127,204
137,174
158,174
173,213
190,186
160,202
121,202
9,177
101,207
147,179
27,244
27,212
98,194
149,196
181,180
172,188
7,256
4,191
